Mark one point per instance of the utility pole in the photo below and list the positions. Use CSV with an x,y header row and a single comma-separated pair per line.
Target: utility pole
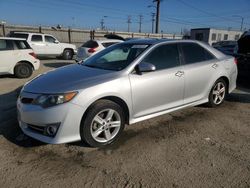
x,y
153,21
102,24
157,15
242,21
129,22
140,22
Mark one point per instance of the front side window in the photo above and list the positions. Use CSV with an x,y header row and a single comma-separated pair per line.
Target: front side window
x,y
194,53
116,57
50,39
36,38
6,45
164,57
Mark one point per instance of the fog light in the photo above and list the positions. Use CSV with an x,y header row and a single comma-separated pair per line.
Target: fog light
x,y
51,129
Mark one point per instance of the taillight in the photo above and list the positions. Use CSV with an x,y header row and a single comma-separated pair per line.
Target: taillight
x,y
33,55
235,61
92,50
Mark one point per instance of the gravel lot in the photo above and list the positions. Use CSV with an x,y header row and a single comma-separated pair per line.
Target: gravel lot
x,y
195,147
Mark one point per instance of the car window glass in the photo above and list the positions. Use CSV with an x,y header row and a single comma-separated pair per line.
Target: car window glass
x,y
107,44
6,45
50,39
36,38
20,44
90,44
163,57
194,53
116,57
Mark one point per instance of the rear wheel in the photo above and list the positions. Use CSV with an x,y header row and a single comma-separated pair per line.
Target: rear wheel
x,y
103,123
218,93
67,54
23,70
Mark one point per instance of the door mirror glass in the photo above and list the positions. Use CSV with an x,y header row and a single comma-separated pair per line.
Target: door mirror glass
x,y
145,67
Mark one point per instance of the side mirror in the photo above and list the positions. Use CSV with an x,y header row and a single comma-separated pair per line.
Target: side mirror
x,y
56,41
145,67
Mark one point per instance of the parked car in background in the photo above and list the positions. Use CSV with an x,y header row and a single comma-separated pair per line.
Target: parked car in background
x,y
91,47
47,45
226,47
126,83
243,56
17,57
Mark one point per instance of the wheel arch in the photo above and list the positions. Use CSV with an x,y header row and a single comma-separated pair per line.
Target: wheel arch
x,y
114,99
225,78
22,61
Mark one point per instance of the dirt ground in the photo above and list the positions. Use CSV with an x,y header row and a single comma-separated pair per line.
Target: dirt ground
x,y
195,147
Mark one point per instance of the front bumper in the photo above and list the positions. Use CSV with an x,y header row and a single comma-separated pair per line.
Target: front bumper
x,y
68,116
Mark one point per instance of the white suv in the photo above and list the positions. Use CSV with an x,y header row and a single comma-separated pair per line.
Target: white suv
x,y
17,57
47,45
91,47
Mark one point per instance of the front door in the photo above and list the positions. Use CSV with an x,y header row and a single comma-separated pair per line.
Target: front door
x,y
162,89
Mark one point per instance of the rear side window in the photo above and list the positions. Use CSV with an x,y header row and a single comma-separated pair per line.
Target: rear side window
x,y
50,39
194,53
90,44
36,38
164,57
6,45
19,35
21,44
107,44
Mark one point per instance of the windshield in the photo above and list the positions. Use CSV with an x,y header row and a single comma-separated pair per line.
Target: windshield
x,y
116,57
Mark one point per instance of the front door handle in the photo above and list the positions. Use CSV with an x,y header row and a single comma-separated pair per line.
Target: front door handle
x,y
179,73
215,65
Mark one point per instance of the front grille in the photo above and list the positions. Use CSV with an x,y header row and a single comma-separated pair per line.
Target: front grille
x,y
26,100
36,128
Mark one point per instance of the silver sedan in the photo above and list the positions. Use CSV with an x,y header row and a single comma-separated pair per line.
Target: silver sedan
x,y
124,84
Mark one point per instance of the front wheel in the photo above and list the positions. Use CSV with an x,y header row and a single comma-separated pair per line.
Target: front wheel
x,y
218,93
103,123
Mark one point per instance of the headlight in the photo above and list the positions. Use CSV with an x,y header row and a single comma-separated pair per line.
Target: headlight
x,y
48,100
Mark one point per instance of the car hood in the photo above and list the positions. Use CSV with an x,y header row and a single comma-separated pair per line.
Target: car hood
x,y
68,78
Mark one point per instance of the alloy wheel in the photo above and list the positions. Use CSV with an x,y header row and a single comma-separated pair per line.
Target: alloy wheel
x,y
219,92
105,125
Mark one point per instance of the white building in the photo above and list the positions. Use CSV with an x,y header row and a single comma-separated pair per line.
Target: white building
x,y
211,35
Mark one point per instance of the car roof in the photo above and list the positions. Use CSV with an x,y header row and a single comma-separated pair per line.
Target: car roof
x,y
109,40
153,41
25,32
11,38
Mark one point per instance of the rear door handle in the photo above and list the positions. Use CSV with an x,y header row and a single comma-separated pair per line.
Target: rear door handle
x,y
215,65
179,73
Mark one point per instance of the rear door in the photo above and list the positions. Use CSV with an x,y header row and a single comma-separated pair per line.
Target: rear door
x,y
199,67
162,89
7,55
52,46
37,44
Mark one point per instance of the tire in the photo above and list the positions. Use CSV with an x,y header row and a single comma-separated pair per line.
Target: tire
x,y
103,123
23,70
218,93
67,54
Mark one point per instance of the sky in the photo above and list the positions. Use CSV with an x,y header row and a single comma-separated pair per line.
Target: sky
x,y
175,15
